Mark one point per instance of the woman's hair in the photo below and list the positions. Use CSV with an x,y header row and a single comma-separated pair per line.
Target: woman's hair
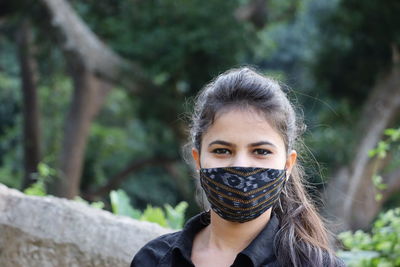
x,y
302,238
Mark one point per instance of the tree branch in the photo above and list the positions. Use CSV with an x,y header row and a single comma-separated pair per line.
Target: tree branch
x,y
31,112
378,112
356,205
182,183
115,181
94,54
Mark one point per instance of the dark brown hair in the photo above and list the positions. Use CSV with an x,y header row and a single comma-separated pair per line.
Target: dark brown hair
x,y
302,239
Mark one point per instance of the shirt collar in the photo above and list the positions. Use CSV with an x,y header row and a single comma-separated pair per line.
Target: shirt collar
x,y
258,251
261,249
184,243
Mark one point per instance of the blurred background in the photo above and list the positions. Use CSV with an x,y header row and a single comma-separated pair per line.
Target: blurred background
x,y
95,95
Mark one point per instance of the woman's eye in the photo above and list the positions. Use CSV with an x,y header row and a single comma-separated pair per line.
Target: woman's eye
x,y
221,151
261,151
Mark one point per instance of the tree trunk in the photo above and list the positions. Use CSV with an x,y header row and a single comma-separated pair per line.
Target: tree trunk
x,y
350,195
31,129
88,97
95,61
255,12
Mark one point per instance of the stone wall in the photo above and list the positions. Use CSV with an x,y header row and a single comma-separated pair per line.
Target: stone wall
x,y
49,231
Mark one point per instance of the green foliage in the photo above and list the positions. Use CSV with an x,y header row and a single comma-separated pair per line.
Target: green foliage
x,y
54,93
380,248
154,214
181,44
377,180
171,217
120,205
44,175
176,216
178,44
380,150
394,134
36,189
390,143
356,46
11,167
118,139
331,129
393,138
291,47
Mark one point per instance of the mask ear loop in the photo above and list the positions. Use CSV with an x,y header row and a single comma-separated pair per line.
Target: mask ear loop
x,y
287,176
284,189
202,198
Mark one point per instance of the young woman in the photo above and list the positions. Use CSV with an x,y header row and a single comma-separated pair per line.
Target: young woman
x,y
243,135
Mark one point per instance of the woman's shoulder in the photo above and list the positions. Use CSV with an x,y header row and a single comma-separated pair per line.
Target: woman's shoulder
x,y
161,247
152,252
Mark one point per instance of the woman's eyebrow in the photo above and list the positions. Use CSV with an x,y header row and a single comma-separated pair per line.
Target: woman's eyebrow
x,y
262,143
220,142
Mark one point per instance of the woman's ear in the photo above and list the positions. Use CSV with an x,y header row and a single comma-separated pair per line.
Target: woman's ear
x,y
196,158
291,160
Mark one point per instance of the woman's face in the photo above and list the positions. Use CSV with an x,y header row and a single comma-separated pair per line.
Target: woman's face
x,y
243,138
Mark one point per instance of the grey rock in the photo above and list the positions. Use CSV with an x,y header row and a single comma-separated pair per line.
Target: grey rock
x,y
49,231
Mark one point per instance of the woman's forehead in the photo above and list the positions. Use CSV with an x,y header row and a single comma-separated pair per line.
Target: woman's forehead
x,y
251,114
244,125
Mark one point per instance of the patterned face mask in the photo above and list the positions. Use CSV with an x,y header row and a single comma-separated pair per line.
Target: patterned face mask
x,y
241,194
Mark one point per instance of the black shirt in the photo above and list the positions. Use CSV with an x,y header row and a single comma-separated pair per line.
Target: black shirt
x,y
175,249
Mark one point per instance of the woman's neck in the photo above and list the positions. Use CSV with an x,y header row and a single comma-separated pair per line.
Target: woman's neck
x,y
228,236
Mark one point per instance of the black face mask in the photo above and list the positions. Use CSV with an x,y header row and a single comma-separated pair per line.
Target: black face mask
x,y
241,194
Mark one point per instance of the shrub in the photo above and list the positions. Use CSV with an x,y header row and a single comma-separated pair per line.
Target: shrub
x,y
380,248
169,217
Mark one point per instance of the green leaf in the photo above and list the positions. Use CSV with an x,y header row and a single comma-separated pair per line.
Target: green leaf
x,y
45,171
394,134
36,189
372,153
382,148
176,216
378,197
377,180
120,205
155,215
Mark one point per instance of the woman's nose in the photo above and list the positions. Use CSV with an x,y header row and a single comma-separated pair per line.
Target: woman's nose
x,y
241,160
